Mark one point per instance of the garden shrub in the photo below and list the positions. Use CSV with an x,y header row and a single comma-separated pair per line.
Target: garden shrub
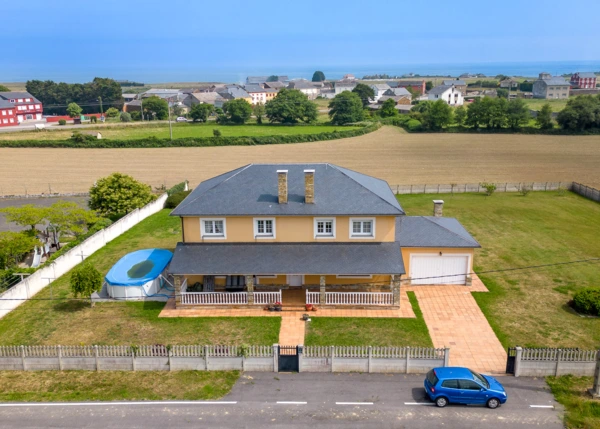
x,y
490,188
62,122
217,133
587,301
126,117
135,115
93,120
413,125
175,199
180,187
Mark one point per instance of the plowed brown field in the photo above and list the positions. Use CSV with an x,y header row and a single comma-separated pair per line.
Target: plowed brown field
x,y
388,153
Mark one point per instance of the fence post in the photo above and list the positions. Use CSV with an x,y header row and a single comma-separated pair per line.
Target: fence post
x,y
595,391
446,356
332,356
518,361
96,358
23,358
170,354
275,357
370,357
206,350
133,360
411,186
60,362
300,357
558,356
408,360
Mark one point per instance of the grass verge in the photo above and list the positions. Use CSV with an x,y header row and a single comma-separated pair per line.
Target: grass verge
x,y
359,331
581,411
72,386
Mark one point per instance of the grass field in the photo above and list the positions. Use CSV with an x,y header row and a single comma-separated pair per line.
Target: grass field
x,y
343,331
529,307
581,411
389,153
179,131
76,386
73,322
537,103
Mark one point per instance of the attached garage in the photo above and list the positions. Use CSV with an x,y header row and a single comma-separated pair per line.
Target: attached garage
x,y
427,269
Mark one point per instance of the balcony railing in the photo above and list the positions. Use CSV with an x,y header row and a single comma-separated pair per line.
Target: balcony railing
x,y
261,298
214,298
351,298
312,297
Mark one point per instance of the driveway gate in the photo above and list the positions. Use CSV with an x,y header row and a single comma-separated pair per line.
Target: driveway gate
x,y
510,360
289,360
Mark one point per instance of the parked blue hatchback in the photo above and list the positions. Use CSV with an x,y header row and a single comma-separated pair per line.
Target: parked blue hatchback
x,y
457,385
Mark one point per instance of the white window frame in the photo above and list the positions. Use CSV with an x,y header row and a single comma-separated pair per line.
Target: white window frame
x,y
213,236
354,276
362,235
324,236
264,236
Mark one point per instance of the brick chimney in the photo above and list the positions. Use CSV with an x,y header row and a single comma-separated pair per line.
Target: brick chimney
x,y
309,186
282,186
438,206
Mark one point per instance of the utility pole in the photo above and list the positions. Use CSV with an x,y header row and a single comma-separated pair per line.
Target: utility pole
x,y
101,111
142,107
170,127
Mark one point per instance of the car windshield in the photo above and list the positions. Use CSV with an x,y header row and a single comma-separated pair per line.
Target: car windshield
x,y
481,379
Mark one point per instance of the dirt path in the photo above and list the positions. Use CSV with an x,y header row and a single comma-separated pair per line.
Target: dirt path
x,y
388,153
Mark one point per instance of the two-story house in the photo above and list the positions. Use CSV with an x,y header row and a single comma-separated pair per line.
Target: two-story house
x,y
459,84
551,87
260,94
257,233
379,90
17,107
448,93
584,80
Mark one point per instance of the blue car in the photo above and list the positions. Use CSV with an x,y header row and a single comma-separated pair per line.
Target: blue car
x,y
457,385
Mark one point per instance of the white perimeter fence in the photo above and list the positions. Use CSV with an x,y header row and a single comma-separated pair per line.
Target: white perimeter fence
x,y
16,295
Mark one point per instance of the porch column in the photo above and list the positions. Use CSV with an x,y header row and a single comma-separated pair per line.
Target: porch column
x,y
250,288
177,285
322,298
396,289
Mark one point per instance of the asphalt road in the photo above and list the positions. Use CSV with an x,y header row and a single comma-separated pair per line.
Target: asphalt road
x,y
304,400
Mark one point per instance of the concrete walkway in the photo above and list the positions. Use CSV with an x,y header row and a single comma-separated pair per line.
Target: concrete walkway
x,y
292,329
455,320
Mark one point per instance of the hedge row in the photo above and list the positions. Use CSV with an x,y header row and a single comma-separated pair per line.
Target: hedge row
x,y
152,142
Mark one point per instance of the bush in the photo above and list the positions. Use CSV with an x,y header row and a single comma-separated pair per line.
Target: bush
x,y
414,125
490,188
126,117
587,301
136,115
112,112
175,199
62,122
180,187
85,280
217,133
93,120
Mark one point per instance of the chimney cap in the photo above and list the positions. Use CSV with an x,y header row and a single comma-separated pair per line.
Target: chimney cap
x,y
309,171
438,201
282,171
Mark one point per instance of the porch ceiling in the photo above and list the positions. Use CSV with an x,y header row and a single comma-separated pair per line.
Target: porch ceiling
x,y
287,258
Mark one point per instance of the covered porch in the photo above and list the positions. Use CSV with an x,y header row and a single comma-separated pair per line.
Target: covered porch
x,y
216,275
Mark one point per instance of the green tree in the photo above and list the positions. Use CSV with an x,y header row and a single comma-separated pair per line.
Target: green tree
x,y
518,113
85,280
155,108
112,112
318,76
135,115
127,117
460,115
119,194
291,106
13,245
502,93
388,109
259,112
73,110
26,215
67,217
580,113
177,110
437,116
495,112
428,85
237,111
201,112
345,108
365,92
273,78
475,117
4,88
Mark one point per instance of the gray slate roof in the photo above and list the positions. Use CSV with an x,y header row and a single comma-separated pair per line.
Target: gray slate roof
x,y
453,82
556,80
430,231
18,94
587,74
252,190
4,104
440,89
287,258
397,92
404,83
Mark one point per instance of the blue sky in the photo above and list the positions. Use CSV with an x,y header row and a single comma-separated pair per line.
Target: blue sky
x,y
191,39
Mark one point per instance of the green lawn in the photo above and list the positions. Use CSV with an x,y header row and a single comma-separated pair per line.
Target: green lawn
x,y
343,331
537,103
189,130
581,411
529,307
67,321
71,386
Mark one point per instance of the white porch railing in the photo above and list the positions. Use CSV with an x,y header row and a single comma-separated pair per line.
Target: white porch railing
x,y
214,298
359,298
312,297
270,297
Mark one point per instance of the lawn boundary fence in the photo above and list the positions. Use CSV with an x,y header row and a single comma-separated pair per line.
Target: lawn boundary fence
x,y
540,362
221,357
586,191
462,188
29,286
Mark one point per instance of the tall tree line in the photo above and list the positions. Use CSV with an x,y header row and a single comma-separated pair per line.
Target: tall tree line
x,y
56,96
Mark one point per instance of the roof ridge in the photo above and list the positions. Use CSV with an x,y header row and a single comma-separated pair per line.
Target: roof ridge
x,y
360,184
449,230
213,187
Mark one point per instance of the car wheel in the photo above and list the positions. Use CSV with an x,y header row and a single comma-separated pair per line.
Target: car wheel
x,y
493,403
441,402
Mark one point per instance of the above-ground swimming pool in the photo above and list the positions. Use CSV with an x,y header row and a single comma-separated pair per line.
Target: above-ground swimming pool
x,y
138,274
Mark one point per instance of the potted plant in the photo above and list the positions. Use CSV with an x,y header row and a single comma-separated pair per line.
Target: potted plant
x,y
277,306
309,307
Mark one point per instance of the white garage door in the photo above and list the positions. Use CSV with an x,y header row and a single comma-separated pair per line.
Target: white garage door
x,y
441,270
